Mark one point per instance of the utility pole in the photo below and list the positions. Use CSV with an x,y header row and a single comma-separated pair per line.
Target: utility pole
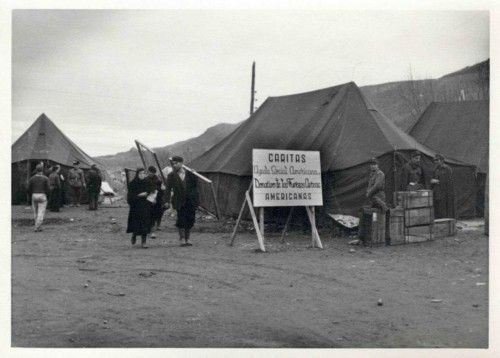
x,y
252,94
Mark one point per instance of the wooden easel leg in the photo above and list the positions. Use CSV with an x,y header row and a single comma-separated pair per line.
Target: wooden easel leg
x,y
217,210
286,224
315,234
240,215
261,220
255,222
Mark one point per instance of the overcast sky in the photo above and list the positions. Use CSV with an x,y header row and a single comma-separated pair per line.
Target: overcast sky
x,y
107,77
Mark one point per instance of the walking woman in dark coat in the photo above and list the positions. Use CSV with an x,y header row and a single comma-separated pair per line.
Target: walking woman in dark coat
x,y
139,217
184,199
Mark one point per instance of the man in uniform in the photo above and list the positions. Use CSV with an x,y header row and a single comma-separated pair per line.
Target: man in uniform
x,y
94,181
413,174
76,181
375,194
443,189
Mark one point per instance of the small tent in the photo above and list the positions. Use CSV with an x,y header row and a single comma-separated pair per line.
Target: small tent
x,y
339,123
459,130
43,142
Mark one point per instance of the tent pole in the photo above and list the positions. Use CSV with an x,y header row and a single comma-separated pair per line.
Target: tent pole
x,y
252,90
394,176
28,171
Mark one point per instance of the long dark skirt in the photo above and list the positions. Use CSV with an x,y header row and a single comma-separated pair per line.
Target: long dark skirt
x,y
139,218
186,216
158,209
54,199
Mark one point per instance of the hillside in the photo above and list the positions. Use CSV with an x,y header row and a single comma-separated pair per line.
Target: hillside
x,y
403,102
188,149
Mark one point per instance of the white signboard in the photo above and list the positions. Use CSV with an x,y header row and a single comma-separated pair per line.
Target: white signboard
x,y
286,178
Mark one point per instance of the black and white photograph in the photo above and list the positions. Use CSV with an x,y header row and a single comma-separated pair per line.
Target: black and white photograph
x,y
247,177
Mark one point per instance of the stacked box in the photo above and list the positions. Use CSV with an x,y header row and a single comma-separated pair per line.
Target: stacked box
x,y
396,226
413,199
444,228
418,220
419,216
372,228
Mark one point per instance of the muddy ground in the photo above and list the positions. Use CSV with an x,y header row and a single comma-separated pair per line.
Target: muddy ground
x,y
80,283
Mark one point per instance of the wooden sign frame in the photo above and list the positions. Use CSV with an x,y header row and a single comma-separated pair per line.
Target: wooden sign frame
x,y
259,224
205,179
142,145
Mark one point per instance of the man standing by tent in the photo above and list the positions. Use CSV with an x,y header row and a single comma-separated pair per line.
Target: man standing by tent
x,y
55,189
94,181
76,182
38,190
443,190
413,174
184,198
375,194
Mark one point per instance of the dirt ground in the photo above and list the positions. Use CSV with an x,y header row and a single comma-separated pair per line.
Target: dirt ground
x,y
80,283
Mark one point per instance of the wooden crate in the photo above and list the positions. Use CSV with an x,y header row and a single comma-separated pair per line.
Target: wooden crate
x,y
378,233
413,199
372,230
396,226
419,216
444,228
419,233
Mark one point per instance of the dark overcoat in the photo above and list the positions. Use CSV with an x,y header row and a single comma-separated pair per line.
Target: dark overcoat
x,y
157,208
414,173
94,181
444,193
183,195
139,217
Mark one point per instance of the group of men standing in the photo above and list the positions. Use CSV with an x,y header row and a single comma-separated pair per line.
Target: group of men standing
x,y
415,177
47,189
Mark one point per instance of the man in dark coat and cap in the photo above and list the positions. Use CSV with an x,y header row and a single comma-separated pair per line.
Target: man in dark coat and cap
x,y
443,189
94,181
414,176
181,187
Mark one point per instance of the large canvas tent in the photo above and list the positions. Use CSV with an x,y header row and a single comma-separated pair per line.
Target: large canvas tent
x,y
43,142
347,131
459,130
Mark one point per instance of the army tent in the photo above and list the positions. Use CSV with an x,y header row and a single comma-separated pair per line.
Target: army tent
x,y
459,130
43,142
339,123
